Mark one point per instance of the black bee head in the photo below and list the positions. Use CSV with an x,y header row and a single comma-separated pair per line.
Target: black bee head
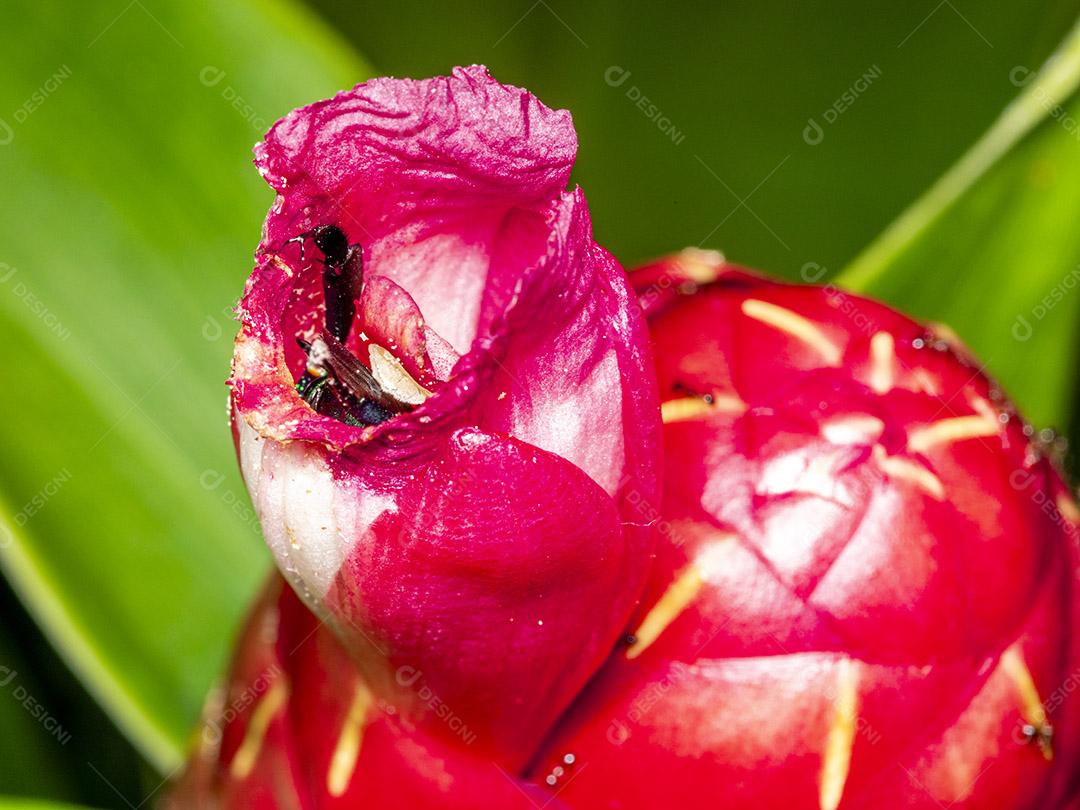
x,y
331,240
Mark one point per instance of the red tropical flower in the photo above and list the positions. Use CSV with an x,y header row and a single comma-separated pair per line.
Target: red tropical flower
x,y
867,589
443,402
865,584
296,726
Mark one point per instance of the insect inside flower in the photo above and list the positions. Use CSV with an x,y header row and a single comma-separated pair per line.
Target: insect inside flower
x,y
466,395
335,382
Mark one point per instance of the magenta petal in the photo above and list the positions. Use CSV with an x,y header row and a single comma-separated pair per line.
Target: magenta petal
x,y
393,320
496,581
481,270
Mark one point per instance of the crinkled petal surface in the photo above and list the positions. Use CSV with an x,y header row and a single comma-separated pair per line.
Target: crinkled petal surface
x,y
501,528
867,582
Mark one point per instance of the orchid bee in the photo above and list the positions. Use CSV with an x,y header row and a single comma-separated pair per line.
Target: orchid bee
x,y
343,275
334,382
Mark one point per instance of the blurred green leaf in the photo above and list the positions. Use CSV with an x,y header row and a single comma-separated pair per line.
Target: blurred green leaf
x,y
66,750
703,88
127,129
31,804
33,764
993,248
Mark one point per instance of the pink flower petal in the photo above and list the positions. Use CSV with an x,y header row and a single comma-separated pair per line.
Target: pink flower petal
x,y
484,280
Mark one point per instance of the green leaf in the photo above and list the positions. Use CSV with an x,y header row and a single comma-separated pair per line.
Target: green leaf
x,y
67,749
993,248
128,226
38,765
32,804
